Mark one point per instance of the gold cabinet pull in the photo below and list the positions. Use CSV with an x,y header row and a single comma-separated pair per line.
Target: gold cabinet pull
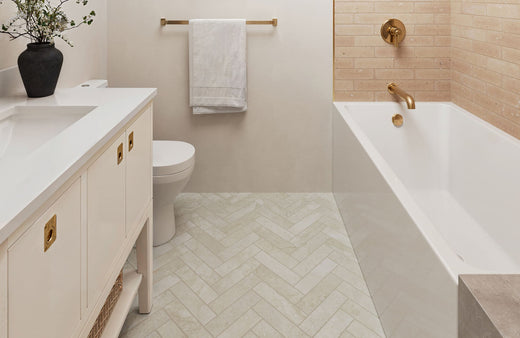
x,y
120,154
50,233
131,141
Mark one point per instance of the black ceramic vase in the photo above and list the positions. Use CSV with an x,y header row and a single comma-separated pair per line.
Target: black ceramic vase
x,y
40,66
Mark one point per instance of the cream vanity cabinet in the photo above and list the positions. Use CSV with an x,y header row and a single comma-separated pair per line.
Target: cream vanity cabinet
x,y
44,283
119,190
105,215
61,267
139,171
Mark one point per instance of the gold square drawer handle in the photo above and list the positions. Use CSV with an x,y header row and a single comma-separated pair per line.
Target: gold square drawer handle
x,y
50,233
120,154
131,141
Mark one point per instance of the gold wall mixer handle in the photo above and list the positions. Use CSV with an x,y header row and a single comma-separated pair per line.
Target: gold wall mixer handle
x,y
394,34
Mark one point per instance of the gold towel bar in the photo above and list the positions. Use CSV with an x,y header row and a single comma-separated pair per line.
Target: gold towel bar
x,y
273,22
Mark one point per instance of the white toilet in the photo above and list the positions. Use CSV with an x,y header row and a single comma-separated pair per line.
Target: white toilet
x,y
173,163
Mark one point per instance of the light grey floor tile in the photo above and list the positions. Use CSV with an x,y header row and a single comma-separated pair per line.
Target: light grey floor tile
x,y
256,265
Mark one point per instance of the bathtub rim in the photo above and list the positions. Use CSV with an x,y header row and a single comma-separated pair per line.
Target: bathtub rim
x,y
446,254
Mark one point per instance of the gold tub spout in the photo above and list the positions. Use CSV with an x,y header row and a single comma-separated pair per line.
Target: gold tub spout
x,y
394,89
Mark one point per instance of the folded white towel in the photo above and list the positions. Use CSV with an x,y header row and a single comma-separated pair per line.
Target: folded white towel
x,y
218,80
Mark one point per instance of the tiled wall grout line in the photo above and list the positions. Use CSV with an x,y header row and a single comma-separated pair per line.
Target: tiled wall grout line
x,y
365,63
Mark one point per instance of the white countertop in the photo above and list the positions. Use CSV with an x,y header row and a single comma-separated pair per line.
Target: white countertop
x,y
26,183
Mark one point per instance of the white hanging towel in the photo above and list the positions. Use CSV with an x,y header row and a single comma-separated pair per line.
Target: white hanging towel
x,y
218,76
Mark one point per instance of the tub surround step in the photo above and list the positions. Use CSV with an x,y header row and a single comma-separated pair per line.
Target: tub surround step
x,y
489,306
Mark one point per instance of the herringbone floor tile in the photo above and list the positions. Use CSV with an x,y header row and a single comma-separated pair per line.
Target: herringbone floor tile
x,y
256,265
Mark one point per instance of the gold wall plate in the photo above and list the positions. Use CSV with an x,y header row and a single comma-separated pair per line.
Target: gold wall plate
x,y
393,32
398,120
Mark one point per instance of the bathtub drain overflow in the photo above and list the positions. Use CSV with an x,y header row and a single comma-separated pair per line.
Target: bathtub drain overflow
x,y
398,120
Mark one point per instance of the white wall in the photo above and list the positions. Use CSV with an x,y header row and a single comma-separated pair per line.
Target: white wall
x,y
86,60
283,142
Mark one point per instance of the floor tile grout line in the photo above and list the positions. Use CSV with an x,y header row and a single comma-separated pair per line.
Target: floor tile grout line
x,y
188,285
253,244
366,327
320,231
275,234
348,255
213,270
237,243
235,269
259,315
368,310
216,240
235,232
363,279
278,247
196,295
289,319
189,311
354,273
267,253
202,244
308,273
322,245
209,221
352,300
249,308
250,289
328,319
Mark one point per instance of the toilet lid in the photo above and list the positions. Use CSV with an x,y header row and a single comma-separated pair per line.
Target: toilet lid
x,y
171,157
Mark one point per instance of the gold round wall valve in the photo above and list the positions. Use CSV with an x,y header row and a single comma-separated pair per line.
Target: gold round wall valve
x,y
393,32
398,120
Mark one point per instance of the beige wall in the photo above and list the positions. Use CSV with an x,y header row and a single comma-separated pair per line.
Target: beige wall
x,y
365,63
486,60
85,61
283,142
8,50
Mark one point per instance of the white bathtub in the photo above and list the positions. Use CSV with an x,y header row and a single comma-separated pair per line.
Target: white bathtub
x,y
424,203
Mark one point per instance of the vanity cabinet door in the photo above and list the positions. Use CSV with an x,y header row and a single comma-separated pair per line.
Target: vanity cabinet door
x,y
105,216
44,273
138,169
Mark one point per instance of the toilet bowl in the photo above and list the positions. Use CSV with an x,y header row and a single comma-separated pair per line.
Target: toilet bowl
x,y
173,163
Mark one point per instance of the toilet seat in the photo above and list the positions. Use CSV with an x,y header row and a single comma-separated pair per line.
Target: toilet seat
x,y
172,157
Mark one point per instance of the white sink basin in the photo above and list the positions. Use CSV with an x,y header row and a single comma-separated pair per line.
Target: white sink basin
x,y
23,129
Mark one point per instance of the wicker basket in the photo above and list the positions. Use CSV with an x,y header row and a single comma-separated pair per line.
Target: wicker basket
x,y
106,310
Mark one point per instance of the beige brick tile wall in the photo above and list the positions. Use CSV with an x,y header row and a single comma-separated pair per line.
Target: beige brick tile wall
x,y
364,63
486,60
466,51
